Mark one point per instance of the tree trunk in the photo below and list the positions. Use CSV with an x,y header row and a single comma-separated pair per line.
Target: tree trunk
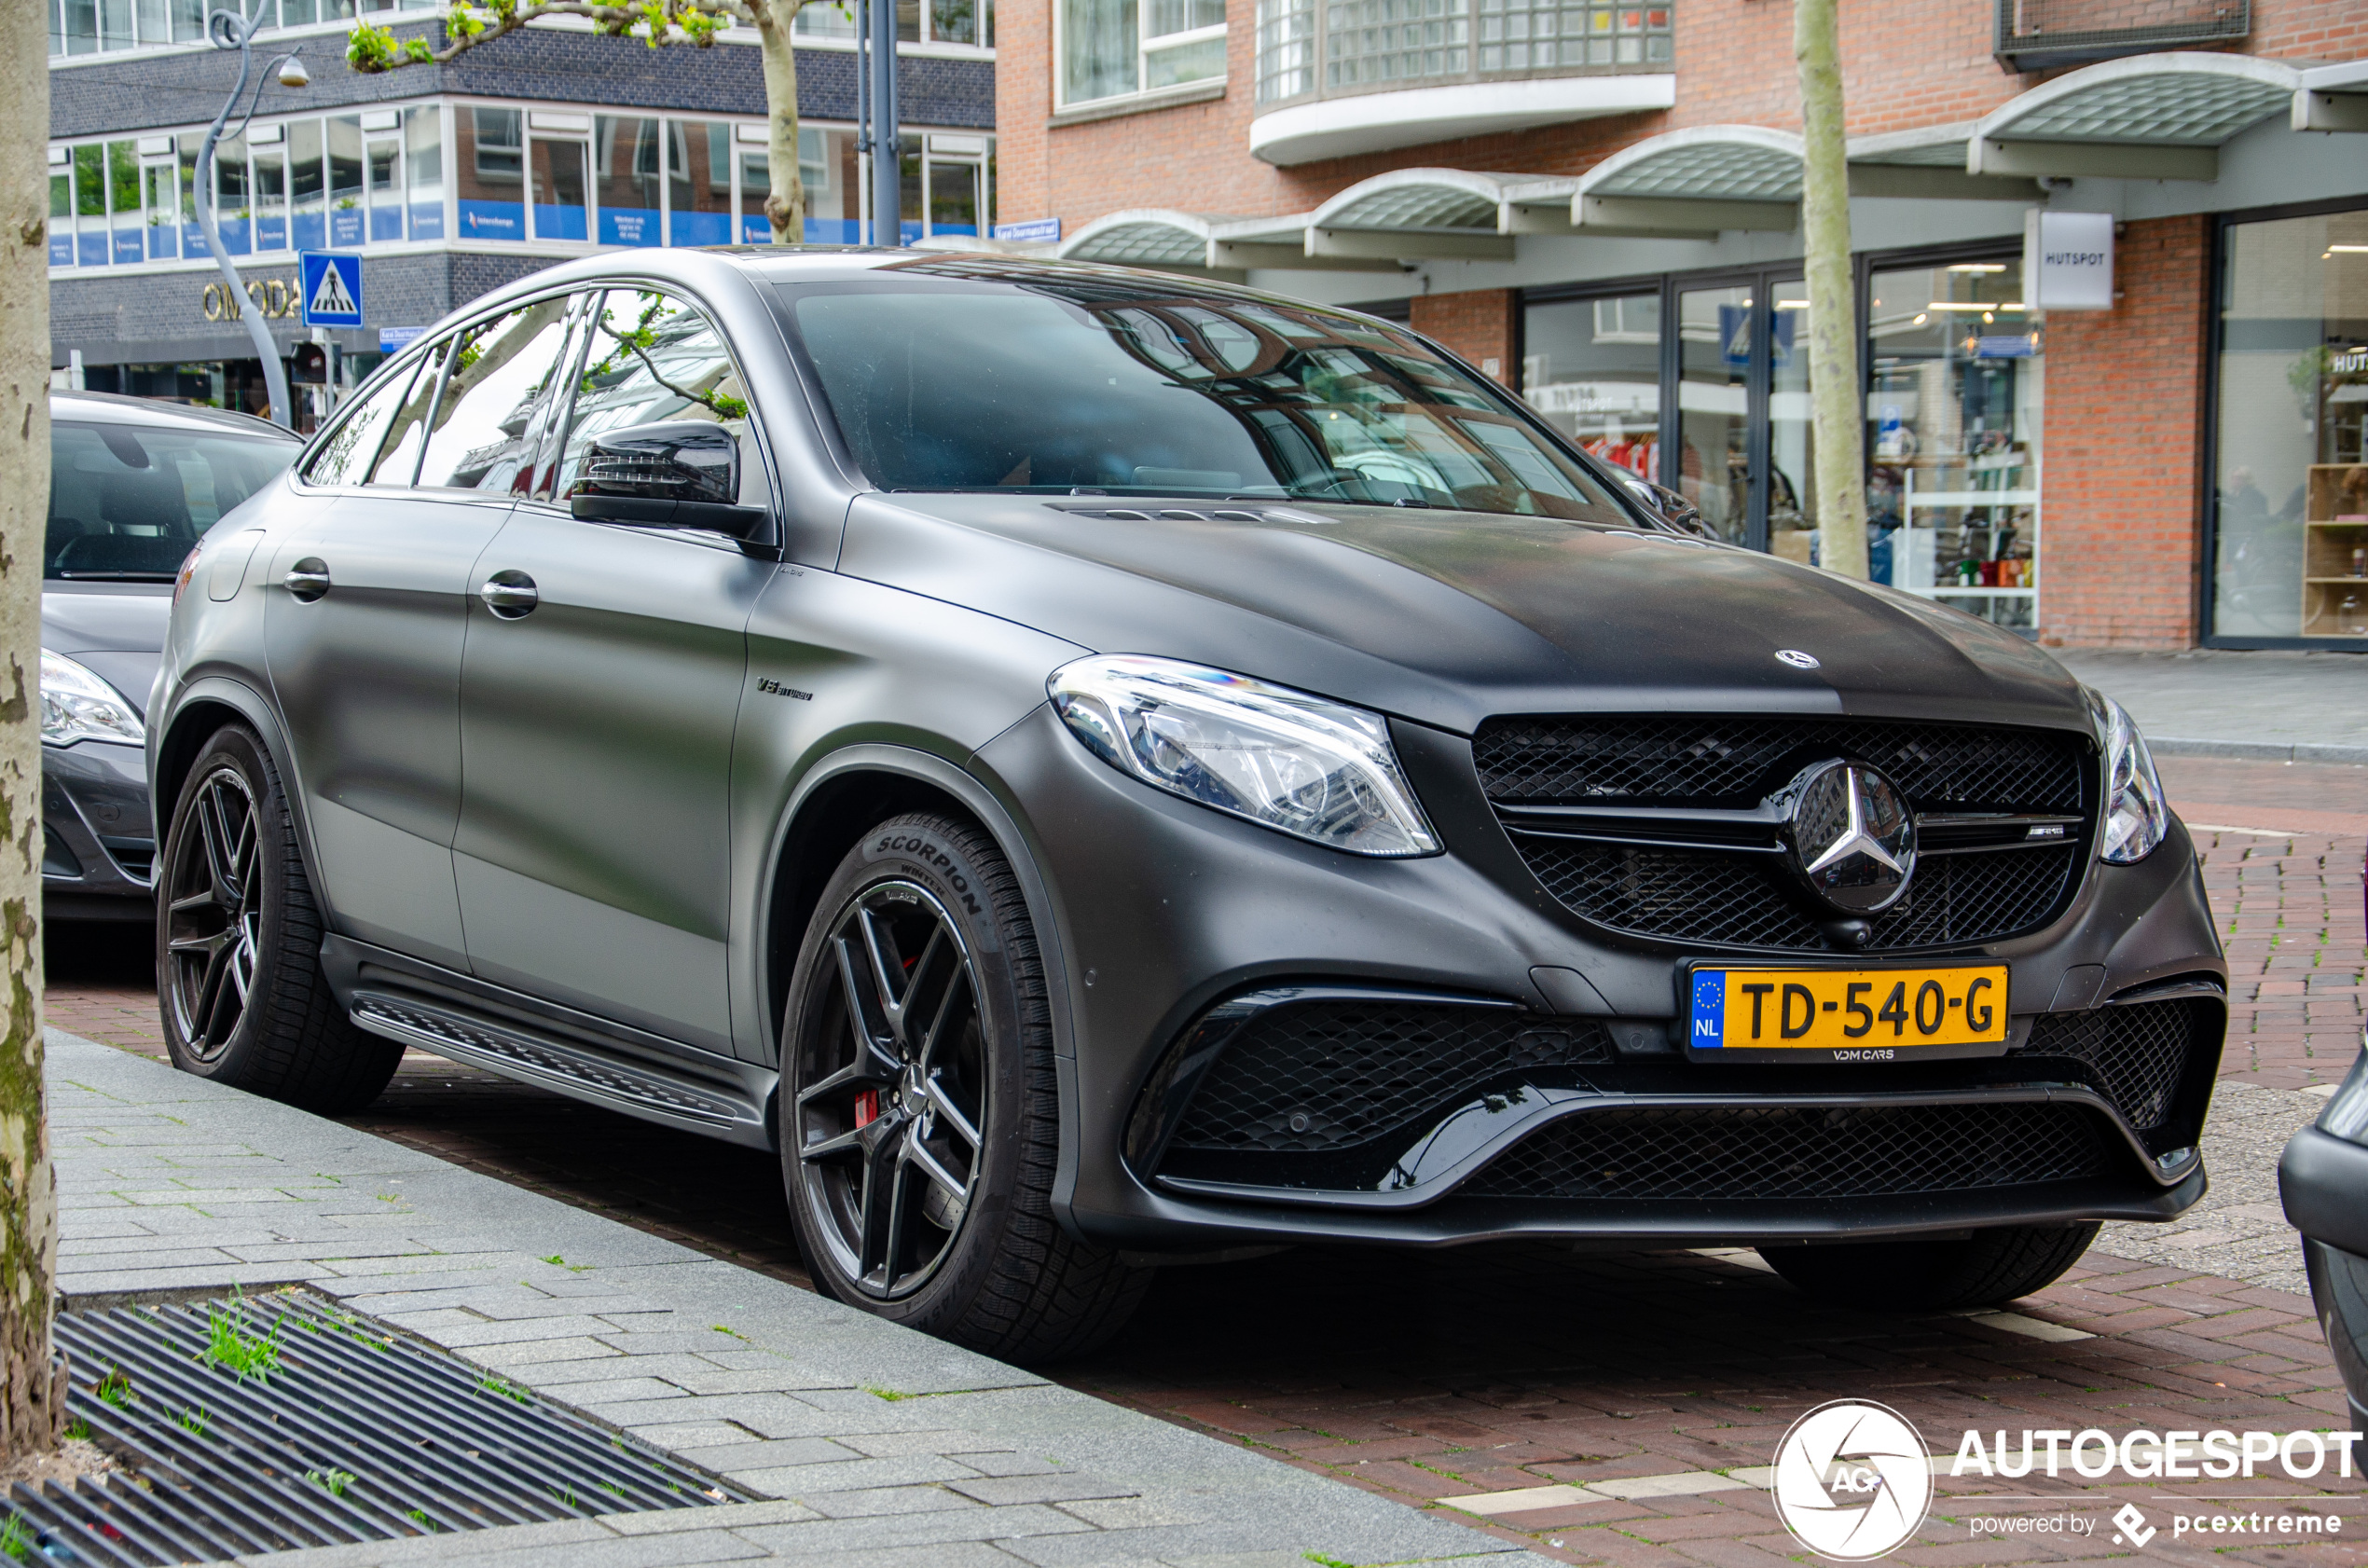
x,y
32,1401
785,205
1838,423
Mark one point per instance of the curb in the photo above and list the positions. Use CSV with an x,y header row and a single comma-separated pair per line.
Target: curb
x,y
2258,751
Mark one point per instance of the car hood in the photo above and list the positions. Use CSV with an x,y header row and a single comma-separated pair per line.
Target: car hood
x,y
1447,617
115,630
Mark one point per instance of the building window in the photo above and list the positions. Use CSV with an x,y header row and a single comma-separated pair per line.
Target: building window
x,y
1534,34
1953,416
515,175
2290,452
1285,49
947,21
1592,367
1112,47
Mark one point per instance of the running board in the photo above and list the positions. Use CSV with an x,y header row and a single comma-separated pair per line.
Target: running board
x,y
638,1088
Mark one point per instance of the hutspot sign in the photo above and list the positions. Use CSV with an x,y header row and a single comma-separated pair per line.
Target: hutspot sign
x,y
2068,260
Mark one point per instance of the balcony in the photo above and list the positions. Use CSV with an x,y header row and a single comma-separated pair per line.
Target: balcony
x,y
2046,35
1337,78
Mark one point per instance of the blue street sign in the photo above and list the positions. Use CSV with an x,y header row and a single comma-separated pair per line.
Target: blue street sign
x,y
332,286
1042,231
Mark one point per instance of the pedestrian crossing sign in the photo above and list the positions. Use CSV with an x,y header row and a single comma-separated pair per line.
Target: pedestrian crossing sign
x,y
332,287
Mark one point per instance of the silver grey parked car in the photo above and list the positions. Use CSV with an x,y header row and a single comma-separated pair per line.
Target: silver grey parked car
x,y
1091,764
133,485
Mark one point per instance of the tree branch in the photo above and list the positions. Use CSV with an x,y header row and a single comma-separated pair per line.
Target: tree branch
x,y
373,48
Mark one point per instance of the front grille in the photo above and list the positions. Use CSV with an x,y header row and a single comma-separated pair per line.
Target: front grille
x,y
1748,898
1791,1152
1329,1076
2138,1052
1737,900
1713,759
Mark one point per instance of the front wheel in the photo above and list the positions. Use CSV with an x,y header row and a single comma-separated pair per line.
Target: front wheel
x,y
1986,1269
919,1121
239,978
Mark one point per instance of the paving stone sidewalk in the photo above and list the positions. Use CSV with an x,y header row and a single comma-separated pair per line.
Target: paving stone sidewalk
x,y
2304,707
879,1444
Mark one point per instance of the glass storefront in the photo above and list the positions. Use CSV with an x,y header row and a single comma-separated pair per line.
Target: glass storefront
x,y
1701,383
1954,399
2290,452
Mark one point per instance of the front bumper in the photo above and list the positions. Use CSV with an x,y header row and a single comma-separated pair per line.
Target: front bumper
x,y
2323,1181
97,855
1167,911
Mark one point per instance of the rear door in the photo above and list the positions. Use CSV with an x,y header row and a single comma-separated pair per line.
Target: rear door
x,y
599,688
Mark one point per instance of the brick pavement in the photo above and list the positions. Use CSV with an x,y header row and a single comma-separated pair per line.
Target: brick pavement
x,y
1494,1369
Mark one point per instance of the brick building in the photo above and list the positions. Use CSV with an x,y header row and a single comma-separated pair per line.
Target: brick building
x,y
450,180
1596,201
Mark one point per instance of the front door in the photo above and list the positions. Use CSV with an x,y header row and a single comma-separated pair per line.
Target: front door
x,y
599,688
364,614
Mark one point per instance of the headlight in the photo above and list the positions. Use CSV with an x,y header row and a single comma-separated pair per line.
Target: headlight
x,y
76,704
2136,815
1313,769
2346,1114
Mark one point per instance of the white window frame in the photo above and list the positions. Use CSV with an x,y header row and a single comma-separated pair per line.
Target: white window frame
x,y
1145,46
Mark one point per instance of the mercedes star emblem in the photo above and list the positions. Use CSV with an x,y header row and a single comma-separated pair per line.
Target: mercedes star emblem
x,y
1851,836
1795,658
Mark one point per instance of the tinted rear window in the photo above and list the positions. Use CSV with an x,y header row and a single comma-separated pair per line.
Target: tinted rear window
x,y
1185,393
126,502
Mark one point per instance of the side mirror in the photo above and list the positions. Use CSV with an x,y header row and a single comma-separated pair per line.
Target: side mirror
x,y
683,474
1669,506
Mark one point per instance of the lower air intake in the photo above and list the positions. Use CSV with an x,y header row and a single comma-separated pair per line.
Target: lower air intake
x,y
1681,1152
1333,1074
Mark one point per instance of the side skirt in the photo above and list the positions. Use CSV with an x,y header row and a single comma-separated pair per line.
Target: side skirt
x,y
586,1058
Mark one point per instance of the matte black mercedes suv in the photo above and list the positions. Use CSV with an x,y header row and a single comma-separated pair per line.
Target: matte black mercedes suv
x,y
1094,767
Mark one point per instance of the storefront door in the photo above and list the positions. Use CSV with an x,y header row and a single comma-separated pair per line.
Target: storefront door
x,y
1711,460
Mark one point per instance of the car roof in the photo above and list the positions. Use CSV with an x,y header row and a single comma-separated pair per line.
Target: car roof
x,y
112,409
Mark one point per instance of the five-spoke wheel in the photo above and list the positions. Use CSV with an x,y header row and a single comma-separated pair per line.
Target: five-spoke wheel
x,y
894,1090
214,913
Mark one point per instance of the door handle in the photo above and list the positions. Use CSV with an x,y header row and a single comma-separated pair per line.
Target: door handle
x,y
509,595
308,580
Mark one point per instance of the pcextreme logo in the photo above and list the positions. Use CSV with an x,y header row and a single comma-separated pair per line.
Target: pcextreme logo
x,y
1853,1481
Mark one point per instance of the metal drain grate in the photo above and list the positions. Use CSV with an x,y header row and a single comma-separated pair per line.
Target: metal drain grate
x,y
355,1434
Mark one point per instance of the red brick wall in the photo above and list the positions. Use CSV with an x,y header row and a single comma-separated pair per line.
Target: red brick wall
x,y
1908,63
1478,324
2120,534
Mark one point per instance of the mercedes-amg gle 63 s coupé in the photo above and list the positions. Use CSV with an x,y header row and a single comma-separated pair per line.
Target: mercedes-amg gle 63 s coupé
x,y
1096,767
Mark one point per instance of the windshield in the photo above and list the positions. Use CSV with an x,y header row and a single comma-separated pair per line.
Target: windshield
x,y
126,502
1130,389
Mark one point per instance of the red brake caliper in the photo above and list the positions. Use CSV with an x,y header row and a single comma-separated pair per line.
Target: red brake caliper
x,y
867,1107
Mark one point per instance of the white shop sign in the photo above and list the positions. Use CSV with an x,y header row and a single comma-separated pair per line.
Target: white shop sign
x,y
2068,260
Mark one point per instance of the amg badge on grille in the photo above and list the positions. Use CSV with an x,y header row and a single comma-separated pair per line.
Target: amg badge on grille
x,y
1850,835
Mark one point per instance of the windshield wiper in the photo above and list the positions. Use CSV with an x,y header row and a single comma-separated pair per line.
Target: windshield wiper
x,y
114,576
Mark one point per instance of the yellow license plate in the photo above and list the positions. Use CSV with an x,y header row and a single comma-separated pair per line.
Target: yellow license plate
x,y
1845,1015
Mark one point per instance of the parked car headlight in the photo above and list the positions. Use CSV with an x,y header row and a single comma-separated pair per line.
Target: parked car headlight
x,y
2137,816
1318,770
76,704
2346,1114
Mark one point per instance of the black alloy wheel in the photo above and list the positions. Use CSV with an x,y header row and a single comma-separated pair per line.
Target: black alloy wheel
x,y
239,987
214,913
889,1140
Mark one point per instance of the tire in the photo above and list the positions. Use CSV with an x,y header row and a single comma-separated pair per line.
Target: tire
x,y
239,979
919,1157
1984,1270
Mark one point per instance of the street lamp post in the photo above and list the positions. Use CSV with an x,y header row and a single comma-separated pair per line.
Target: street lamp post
x,y
235,30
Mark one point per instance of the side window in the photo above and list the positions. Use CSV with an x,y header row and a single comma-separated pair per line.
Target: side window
x,y
399,456
653,358
353,448
491,417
